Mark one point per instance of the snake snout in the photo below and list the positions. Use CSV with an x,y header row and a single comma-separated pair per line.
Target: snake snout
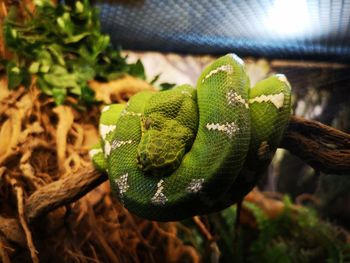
x,y
143,161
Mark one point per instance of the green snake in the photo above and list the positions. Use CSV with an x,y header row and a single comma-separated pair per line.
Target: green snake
x,y
178,153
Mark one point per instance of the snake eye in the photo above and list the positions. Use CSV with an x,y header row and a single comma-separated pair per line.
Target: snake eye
x,y
143,159
148,122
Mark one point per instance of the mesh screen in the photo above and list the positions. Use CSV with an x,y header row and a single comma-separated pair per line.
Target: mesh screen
x,y
300,29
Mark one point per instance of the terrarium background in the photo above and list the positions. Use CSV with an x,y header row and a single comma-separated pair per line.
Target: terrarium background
x,y
299,29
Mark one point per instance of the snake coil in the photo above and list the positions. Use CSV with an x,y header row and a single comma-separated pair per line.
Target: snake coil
x,y
178,153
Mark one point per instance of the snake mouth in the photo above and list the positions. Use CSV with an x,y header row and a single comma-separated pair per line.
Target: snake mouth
x,y
144,163
154,165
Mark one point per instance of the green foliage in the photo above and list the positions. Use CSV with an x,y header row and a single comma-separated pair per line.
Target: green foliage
x,y
162,86
291,237
166,86
64,48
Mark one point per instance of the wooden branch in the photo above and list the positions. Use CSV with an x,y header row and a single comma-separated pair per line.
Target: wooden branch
x,y
324,148
62,192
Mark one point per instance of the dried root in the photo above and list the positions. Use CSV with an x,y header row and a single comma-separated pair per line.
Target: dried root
x,y
42,143
118,90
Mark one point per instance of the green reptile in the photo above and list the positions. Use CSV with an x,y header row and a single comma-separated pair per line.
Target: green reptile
x,y
174,154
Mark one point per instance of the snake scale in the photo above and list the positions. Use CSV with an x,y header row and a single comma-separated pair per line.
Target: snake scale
x,y
178,153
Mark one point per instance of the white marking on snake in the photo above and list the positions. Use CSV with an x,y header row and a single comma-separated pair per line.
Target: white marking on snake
x,y
105,129
93,152
238,59
224,68
107,148
130,113
122,183
116,144
232,98
283,78
195,185
186,93
105,108
275,99
228,128
159,198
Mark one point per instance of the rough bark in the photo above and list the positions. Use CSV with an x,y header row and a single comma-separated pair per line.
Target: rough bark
x,y
62,192
322,147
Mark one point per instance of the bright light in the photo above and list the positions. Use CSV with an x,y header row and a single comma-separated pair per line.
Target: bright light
x,y
288,18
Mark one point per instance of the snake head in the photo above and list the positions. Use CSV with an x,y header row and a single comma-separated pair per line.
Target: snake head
x,y
161,152
169,126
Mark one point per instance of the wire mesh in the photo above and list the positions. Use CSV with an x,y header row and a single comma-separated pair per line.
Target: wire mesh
x,y
299,29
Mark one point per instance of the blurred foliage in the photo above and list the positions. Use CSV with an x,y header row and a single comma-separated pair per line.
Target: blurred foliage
x,y
64,48
291,237
162,86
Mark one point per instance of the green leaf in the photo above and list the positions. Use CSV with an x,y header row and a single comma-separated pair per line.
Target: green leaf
x,y
59,77
84,73
162,86
44,87
75,38
79,7
65,24
166,86
59,95
137,70
101,44
9,32
44,68
34,67
87,94
56,51
14,75
45,59
154,79
41,3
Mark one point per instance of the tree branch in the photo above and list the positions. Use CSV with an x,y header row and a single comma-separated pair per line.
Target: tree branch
x,y
323,147
62,192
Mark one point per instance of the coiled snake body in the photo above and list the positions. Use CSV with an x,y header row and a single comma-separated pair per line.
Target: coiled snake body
x,y
178,153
